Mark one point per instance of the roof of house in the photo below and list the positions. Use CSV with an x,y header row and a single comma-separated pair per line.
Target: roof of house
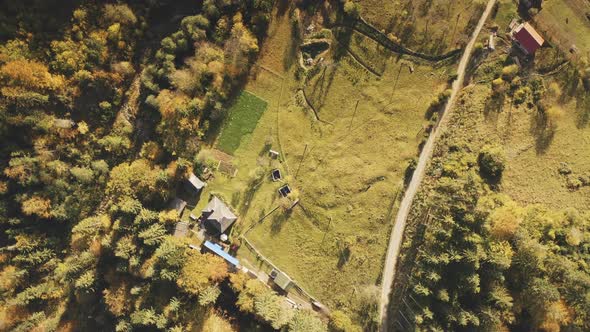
x,y
196,182
282,280
528,37
178,205
219,212
181,229
219,251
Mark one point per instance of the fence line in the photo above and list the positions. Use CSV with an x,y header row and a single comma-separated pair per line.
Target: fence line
x,y
266,261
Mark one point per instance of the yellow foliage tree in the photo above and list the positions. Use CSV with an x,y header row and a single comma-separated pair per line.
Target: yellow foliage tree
x,y
505,221
200,271
38,206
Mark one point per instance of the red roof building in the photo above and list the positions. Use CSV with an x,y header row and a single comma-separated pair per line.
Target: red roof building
x,y
527,38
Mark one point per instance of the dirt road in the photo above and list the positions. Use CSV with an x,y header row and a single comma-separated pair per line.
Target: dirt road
x,y
397,233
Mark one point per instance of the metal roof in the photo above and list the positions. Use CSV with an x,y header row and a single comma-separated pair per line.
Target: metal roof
x,y
178,205
196,182
215,248
282,280
181,229
528,37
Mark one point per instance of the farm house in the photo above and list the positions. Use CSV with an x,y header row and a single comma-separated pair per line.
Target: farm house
x,y
526,38
218,215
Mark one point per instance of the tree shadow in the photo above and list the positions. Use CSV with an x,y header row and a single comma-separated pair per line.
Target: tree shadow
x,y
249,193
583,109
343,37
279,220
321,87
343,257
282,6
493,106
543,131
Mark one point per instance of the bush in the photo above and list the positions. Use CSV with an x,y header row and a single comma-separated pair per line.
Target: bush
x,y
119,14
498,86
554,90
340,322
351,9
509,72
478,48
520,96
491,161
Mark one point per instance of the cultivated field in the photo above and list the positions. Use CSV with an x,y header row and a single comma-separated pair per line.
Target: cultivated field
x,y
242,120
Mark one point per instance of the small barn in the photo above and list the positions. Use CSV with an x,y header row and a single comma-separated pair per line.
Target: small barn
x,y
281,280
526,38
276,175
181,229
284,191
195,184
218,215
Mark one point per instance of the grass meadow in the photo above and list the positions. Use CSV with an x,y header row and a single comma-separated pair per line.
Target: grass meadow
x,y
333,243
566,24
242,120
429,26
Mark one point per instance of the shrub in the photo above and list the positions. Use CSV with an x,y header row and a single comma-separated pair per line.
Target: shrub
x,y
554,90
509,72
552,114
352,9
119,14
520,96
498,86
478,48
340,322
491,161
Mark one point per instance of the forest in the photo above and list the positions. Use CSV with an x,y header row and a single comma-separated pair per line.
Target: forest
x,y
84,228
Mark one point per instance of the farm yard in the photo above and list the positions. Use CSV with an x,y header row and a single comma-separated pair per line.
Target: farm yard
x,y
295,166
345,137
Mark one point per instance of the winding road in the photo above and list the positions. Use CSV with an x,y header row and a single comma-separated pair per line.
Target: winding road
x,y
397,233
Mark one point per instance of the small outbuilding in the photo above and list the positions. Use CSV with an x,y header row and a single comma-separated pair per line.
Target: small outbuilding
x,y
285,190
281,280
273,154
194,183
526,38
218,215
276,175
181,229
178,205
